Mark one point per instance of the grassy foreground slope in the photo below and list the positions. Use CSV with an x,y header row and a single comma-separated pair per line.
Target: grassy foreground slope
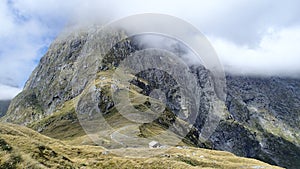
x,y
21,147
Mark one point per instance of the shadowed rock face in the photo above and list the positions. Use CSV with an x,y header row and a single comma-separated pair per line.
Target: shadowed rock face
x,y
274,96
3,107
261,115
270,108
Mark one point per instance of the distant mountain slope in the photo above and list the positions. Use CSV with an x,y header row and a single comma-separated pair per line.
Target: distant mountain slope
x,y
270,108
3,107
21,147
273,101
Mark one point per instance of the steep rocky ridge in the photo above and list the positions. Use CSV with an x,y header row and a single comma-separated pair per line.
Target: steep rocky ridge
x,y
52,82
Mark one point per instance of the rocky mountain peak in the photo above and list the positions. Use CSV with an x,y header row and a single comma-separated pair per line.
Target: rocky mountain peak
x,y
93,77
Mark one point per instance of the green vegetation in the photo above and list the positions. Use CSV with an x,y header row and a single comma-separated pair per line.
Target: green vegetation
x,y
62,120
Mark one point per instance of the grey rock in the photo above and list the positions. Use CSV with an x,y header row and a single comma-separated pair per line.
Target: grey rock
x,y
3,107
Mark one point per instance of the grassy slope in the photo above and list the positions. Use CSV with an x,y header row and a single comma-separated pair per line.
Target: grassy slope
x,y
62,120
21,147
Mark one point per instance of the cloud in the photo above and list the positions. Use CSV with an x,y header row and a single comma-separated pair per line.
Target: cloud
x,y
23,38
243,22
278,53
8,92
169,44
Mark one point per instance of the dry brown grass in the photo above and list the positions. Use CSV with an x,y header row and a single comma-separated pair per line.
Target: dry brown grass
x,y
33,150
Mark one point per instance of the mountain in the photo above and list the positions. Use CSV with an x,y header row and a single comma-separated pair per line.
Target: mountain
x,y
80,83
3,107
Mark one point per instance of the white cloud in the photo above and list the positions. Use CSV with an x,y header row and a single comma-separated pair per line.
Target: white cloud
x,y
6,19
8,92
22,37
278,53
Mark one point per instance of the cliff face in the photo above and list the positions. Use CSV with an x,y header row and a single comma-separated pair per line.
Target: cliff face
x,y
259,119
268,107
3,107
60,76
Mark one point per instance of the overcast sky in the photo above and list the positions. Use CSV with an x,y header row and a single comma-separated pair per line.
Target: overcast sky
x,y
250,37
